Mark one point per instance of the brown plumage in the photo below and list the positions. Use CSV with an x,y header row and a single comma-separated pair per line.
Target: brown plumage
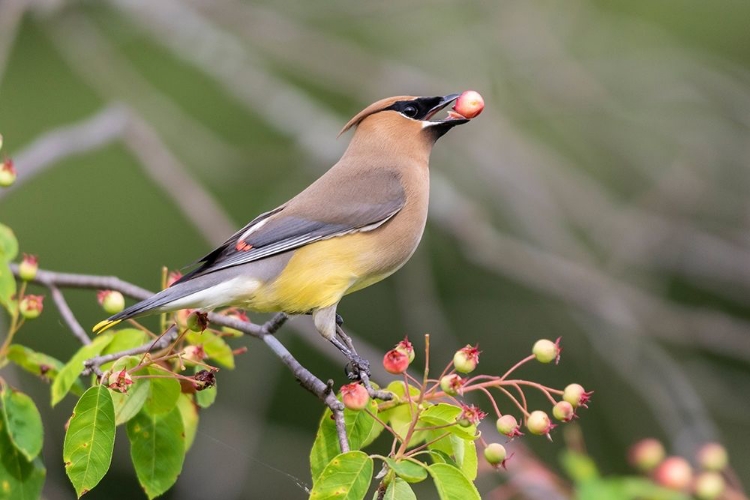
x,y
354,226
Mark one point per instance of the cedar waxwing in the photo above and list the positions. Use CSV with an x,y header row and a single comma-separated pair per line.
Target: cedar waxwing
x,y
354,226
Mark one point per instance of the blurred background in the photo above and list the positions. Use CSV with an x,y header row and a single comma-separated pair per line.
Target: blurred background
x,y
602,196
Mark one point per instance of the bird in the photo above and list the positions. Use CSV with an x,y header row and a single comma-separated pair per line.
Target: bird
x,y
352,227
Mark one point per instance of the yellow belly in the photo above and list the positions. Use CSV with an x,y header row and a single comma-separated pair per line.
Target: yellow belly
x,y
319,274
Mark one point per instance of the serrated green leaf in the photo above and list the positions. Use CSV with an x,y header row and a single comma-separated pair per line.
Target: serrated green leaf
x,y
190,417
69,373
359,427
157,449
20,479
8,244
215,347
7,289
408,470
451,483
129,403
440,439
23,422
163,392
346,477
398,489
90,439
445,415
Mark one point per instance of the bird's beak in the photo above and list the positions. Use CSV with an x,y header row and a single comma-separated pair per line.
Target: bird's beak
x,y
453,118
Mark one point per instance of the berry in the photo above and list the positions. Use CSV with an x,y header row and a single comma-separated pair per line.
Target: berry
x,y
674,473
452,384
576,395
197,321
469,104
508,425
539,423
406,347
111,301
31,306
395,362
204,379
547,351
495,453
7,173
713,457
28,267
193,353
466,359
563,411
120,381
646,454
709,485
354,396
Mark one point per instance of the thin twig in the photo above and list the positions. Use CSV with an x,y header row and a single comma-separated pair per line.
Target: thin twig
x,y
93,364
68,315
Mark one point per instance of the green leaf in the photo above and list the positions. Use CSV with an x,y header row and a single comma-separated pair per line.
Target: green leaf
x,y
625,488
440,457
408,470
69,373
189,414
399,489
163,393
7,289
36,363
122,340
214,346
359,427
451,484
206,397
157,449
346,477
578,466
22,422
399,417
20,479
465,453
443,414
8,244
129,403
90,439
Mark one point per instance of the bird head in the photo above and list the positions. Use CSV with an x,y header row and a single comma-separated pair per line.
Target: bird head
x,y
407,117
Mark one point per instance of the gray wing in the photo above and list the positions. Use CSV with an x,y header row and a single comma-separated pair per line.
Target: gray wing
x,y
332,206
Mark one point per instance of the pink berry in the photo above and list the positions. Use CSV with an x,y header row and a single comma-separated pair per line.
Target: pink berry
x,y
563,411
466,359
452,384
120,381
28,267
470,415
539,423
674,473
646,454
395,362
406,347
469,104
576,395
354,396
713,457
547,351
709,485
7,173
193,353
508,425
111,301
31,306
495,453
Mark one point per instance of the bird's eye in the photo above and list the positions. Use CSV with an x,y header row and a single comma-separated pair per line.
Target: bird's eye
x,y
410,111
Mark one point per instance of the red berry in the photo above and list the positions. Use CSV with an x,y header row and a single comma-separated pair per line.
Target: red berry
x,y
28,267
354,396
713,457
31,306
452,384
539,423
466,359
563,411
469,104
406,347
470,415
120,381
674,473
395,362
646,454
495,453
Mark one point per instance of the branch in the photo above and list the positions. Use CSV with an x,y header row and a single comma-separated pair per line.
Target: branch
x,y
68,315
264,332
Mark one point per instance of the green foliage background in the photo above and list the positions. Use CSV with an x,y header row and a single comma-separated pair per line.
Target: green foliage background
x,y
645,103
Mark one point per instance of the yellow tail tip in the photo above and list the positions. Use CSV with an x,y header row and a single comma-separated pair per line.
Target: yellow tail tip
x,y
105,325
